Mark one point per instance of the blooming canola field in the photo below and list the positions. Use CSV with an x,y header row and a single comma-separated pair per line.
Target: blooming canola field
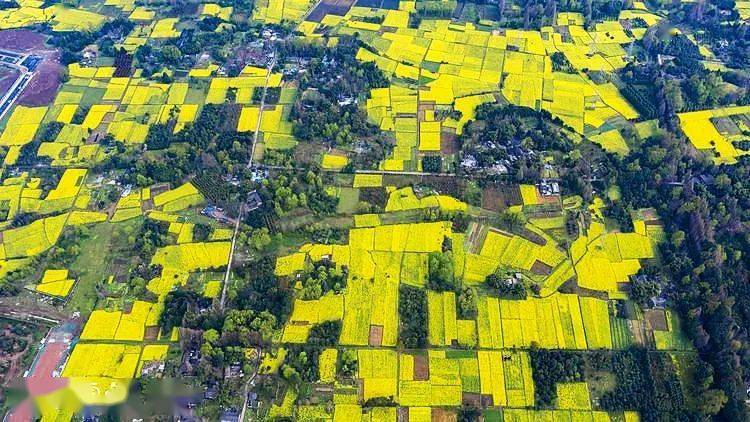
x,y
164,244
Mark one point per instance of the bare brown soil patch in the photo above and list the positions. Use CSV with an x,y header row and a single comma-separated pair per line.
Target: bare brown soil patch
x,y
541,268
403,414
421,368
152,333
443,415
657,318
656,223
147,204
492,199
549,199
499,197
649,214
376,335
160,188
448,143
471,399
427,105
532,236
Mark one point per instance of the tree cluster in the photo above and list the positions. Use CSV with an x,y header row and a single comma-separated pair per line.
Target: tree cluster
x,y
440,275
327,112
513,137
284,194
260,289
549,367
506,285
412,309
324,277
707,254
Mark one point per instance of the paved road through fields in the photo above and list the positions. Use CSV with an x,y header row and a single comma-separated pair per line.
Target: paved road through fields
x,y
16,61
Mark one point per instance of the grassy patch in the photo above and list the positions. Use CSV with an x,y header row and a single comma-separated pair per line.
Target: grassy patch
x,y
685,363
92,264
287,243
92,96
599,383
348,201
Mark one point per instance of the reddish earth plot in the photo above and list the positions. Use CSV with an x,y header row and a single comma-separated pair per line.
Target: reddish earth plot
x,y
376,335
21,40
23,412
421,368
41,381
540,268
43,86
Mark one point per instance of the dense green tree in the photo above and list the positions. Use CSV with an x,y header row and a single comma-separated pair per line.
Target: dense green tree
x,y
412,309
440,271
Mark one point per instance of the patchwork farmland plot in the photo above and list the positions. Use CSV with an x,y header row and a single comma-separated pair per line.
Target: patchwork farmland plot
x,y
706,134
125,108
444,66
